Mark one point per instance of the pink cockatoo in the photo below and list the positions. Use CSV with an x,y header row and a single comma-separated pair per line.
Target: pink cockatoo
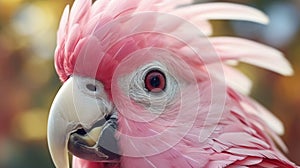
x,y
145,85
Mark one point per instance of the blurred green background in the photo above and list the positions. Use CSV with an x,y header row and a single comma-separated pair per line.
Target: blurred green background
x,y
28,82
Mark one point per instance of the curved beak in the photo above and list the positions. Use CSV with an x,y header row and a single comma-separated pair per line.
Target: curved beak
x,y
78,125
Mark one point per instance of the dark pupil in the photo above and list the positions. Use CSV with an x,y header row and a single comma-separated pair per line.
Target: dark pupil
x,y
155,81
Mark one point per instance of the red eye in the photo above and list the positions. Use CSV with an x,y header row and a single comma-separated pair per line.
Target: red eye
x,y
155,81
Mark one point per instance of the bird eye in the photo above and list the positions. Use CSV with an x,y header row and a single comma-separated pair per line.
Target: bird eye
x,y
155,81
91,87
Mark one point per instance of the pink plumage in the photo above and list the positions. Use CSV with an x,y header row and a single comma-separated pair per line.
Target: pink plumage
x,y
110,39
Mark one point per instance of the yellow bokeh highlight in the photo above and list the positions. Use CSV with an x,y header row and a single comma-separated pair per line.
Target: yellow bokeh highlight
x,y
31,125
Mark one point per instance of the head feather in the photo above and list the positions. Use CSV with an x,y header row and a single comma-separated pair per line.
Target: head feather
x,y
86,19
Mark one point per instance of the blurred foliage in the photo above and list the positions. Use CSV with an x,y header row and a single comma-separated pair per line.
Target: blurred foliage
x,y
28,82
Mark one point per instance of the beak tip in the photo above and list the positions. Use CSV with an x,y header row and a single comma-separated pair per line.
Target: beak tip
x,y
57,134
58,152
59,126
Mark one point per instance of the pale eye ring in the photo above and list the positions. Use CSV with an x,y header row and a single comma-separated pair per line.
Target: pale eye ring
x,y
155,81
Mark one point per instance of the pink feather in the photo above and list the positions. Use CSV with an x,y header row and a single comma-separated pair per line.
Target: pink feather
x,y
251,52
213,11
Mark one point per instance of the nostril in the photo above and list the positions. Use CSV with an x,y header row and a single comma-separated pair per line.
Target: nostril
x,y
91,87
81,131
107,117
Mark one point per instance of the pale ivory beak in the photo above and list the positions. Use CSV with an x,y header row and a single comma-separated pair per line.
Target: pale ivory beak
x,y
60,124
70,110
